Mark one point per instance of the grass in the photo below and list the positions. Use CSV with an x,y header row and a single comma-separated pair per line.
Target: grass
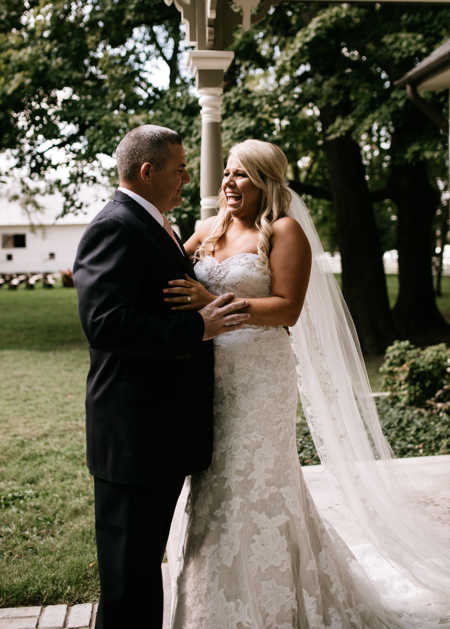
x,y
47,547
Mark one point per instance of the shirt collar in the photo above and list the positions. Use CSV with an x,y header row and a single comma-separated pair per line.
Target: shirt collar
x,y
151,209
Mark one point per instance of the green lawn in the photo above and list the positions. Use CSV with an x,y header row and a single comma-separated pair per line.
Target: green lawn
x,y
47,550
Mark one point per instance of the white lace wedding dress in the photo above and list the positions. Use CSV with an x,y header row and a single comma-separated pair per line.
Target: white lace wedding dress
x,y
251,550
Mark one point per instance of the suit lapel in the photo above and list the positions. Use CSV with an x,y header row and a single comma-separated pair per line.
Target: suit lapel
x,y
190,268
152,230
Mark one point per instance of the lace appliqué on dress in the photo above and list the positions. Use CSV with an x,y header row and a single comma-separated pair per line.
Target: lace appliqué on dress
x,y
255,553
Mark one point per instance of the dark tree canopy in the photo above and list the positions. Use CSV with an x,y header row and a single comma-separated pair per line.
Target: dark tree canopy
x,y
320,80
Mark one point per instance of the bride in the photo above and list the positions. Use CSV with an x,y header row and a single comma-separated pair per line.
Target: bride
x,y
248,549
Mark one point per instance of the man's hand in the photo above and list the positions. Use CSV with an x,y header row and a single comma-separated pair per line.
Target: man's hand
x,y
222,316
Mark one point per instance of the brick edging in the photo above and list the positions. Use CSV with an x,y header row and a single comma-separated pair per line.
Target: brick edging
x,y
80,616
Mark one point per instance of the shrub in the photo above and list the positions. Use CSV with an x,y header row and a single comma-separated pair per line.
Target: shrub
x,y
305,445
413,376
413,431
415,417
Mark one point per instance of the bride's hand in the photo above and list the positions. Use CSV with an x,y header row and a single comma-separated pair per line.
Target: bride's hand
x,y
187,294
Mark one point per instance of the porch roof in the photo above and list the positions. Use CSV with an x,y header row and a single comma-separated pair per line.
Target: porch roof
x,y
432,73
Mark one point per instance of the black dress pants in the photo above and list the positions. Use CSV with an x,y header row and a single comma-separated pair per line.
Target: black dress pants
x,y
132,526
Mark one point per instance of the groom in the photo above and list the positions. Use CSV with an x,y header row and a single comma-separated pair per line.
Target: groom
x,y
149,387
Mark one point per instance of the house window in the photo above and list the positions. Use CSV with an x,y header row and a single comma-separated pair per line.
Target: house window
x,y
9,256
51,255
12,241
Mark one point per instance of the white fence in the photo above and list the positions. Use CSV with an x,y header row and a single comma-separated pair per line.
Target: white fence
x,y
390,261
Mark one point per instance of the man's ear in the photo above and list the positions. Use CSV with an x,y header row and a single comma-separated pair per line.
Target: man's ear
x,y
146,171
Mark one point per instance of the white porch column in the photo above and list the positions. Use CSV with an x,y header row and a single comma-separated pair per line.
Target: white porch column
x,y
209,67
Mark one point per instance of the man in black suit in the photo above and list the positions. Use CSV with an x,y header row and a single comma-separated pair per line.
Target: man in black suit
x,y
150,384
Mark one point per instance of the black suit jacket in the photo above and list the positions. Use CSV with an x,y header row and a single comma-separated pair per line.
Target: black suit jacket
x,y
150,384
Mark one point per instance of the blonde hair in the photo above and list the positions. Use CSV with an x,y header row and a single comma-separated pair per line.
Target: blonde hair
x,y
266,166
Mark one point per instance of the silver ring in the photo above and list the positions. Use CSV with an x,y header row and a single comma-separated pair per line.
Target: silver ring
x,y
188,299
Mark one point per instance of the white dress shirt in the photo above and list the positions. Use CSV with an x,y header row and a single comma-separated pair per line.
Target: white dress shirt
x,y
151,209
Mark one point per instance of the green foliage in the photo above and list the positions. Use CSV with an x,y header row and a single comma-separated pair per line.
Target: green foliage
x,y
410,431
307,62
305,445
413,431
76,76
416,415
413,376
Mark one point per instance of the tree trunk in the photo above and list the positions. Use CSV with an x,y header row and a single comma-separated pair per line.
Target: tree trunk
x,y
442,241
363,279
415,312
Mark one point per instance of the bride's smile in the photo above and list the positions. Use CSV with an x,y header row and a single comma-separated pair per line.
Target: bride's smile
x,y
241,194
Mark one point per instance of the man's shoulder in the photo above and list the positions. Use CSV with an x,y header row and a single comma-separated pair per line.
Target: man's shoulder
x,y
109,223
113,212
109,210
121,220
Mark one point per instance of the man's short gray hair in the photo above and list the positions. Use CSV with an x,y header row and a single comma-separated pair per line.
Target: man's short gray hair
x,y
147,143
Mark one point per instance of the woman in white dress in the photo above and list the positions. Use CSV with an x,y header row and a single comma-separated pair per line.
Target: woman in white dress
x,y
248,549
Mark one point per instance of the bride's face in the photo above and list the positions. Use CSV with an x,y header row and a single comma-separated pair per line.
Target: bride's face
x,y
242,196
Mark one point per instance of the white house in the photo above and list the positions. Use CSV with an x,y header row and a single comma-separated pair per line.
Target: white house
x,y
41,242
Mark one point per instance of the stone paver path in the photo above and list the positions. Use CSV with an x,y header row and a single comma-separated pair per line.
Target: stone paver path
x,y
49,617
66,616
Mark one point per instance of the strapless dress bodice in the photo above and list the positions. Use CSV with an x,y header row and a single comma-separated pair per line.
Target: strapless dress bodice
x,y
243,274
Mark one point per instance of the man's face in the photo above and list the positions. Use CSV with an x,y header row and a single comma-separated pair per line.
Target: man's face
x,y
167,182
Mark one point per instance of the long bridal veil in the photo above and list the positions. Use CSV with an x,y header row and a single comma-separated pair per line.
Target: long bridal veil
x,y
342,417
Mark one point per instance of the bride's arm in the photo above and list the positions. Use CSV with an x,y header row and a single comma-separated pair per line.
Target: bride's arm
x,y
178,289
290,264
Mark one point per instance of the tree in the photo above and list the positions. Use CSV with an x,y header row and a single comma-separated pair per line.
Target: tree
x,y
76,75
417,161
332,69
417,201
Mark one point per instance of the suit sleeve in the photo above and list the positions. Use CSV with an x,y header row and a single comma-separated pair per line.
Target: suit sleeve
x,y
108,282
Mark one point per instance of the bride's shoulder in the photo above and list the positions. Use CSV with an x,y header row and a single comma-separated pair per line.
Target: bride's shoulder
x,y
202,230
204,227
286,225
288,232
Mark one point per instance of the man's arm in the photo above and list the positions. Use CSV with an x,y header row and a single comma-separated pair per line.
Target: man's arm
x,y
108,294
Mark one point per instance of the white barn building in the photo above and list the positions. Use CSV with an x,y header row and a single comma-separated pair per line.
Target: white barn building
x,y
40,242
